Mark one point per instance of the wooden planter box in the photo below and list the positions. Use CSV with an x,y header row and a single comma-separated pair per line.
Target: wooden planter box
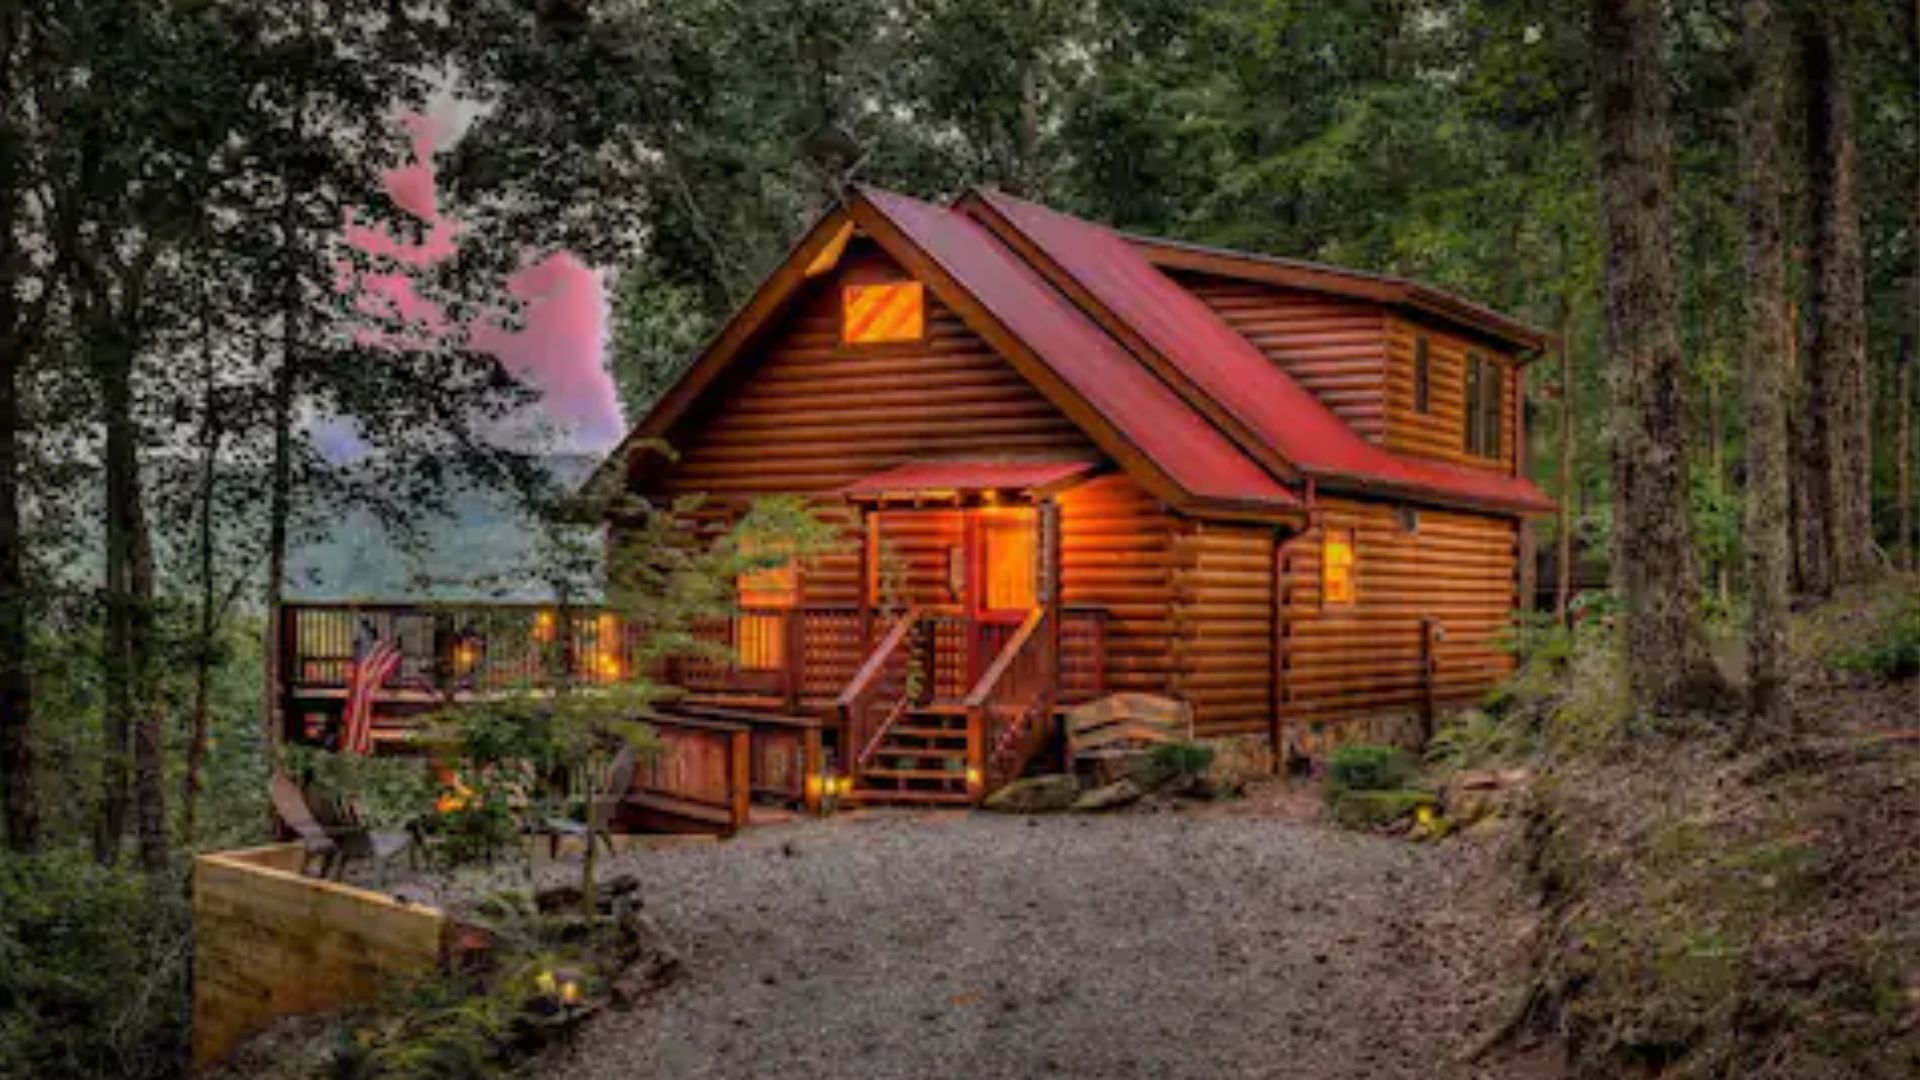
x,y
269,943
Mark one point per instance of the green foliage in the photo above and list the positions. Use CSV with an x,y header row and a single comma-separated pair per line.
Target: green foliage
x,y
93,970
1171,765
1475,737
1366,767
1891,649
386,791
1376,809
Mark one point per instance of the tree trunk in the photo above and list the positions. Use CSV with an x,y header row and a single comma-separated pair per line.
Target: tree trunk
x,y
1837,357
19,807
1668,665
1906,543
117,659
1563,587
1765,372
204,649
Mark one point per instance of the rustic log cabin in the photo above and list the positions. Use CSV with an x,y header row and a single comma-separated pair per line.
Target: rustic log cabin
x,y
1071,462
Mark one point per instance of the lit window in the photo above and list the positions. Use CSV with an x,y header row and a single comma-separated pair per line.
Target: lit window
x,y
877,314
1009,537
760,629
1422,376
1336,568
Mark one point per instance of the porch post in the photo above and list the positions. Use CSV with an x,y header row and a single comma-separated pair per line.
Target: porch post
x,y
869,574
974,599
1052,596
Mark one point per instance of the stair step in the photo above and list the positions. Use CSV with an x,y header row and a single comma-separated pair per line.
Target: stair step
x,y
883,773
911,798
929,732
886,753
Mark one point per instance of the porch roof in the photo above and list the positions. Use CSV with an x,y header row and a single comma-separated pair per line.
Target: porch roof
x,y
932,478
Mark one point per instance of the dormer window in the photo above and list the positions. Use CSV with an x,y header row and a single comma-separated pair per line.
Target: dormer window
x,y
882,313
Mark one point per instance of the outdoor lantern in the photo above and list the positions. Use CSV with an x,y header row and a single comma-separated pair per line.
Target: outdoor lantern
x,y
544,625
465,655
973,777
609,666
570,993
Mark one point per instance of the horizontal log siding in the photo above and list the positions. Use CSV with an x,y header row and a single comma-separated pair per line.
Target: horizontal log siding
x,y
1117,550
1336,348
810,415
1364,660
1224,626
1441,433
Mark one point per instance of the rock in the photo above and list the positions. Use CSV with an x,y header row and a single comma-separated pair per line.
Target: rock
x,y
1472,794
1035,795
1110,797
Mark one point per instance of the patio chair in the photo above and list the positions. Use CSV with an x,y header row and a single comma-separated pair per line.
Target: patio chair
x,y
347,826
602,805
290,805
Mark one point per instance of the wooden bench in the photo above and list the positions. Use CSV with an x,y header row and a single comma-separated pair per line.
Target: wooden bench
x,y
1110,730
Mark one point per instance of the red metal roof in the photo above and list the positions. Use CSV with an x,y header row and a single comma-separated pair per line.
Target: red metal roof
x,y
1235,375
928,477
1146,412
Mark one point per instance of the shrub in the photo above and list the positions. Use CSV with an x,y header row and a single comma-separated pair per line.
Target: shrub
x,y
1473,737
1361,809
1171,765
1892,651
1365,767
93,970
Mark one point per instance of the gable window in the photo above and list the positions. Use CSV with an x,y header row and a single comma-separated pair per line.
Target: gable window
x,y
1485,405
1336,568
1422,376
881,313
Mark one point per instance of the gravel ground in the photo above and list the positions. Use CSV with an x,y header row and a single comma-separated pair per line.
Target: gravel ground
x,y
1166,945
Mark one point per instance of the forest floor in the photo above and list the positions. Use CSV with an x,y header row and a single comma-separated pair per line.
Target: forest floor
x,y
1230,940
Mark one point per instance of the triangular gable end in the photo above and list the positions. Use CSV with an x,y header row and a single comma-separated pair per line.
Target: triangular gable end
x,y
817,250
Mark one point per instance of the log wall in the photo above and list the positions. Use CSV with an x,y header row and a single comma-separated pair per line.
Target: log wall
x,y
1117,552
1364,660
1441,432
1224,626
1337,348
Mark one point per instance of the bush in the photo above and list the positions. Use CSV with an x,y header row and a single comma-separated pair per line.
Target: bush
x,y
93,970
1374,809
1171,765
1364,767
1893,649
1474,737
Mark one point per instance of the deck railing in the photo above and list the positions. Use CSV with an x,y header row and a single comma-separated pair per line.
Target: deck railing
x,y
1009,708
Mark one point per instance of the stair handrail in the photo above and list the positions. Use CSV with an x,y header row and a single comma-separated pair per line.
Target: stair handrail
x,y
852,702
1023,646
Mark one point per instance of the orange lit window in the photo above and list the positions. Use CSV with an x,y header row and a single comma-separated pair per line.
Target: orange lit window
x,y
877,314
1009,538
760,634
1336,568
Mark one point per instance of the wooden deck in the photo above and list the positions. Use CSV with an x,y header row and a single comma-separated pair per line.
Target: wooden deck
x,y
836,700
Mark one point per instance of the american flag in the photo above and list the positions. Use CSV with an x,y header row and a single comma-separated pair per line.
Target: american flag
x,y
375,659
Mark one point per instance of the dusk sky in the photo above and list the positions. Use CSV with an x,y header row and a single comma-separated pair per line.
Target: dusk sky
x,y
559,344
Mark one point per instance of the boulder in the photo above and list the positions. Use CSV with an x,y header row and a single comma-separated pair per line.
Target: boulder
x,y
1109,797
1472,794
1035,795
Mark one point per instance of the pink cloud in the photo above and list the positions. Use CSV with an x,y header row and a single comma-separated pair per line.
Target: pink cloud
x,y
559,344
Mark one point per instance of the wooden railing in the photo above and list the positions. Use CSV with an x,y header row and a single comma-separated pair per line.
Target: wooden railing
x,y
700,780
883,689
797,655
1009,708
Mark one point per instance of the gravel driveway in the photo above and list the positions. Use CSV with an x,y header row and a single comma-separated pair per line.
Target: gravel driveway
x,y
971,945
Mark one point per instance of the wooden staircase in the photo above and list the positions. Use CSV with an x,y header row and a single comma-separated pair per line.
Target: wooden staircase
x,y
919,760
906,746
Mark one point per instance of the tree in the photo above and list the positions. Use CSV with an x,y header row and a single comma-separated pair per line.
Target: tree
x,y
1839,409
19,812
1766,375
1667,660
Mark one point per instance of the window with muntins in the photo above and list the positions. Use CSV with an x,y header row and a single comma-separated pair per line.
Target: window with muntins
x,y
882,313
1485,404
1422,376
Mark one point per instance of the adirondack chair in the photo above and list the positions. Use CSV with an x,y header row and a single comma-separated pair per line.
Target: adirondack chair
x,y
602,805
290,805
1101,735
336,830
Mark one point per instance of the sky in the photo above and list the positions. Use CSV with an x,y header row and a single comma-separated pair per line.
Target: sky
x,y
557,344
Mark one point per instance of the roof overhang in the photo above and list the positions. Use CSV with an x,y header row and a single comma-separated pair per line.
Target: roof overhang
x,y
967,481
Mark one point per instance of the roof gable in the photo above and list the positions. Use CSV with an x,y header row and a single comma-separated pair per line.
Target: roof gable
x,y
1173,451
1218,369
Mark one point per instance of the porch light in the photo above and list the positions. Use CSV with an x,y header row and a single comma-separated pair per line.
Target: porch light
x,y
465,656
609,666
973,776
544,624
